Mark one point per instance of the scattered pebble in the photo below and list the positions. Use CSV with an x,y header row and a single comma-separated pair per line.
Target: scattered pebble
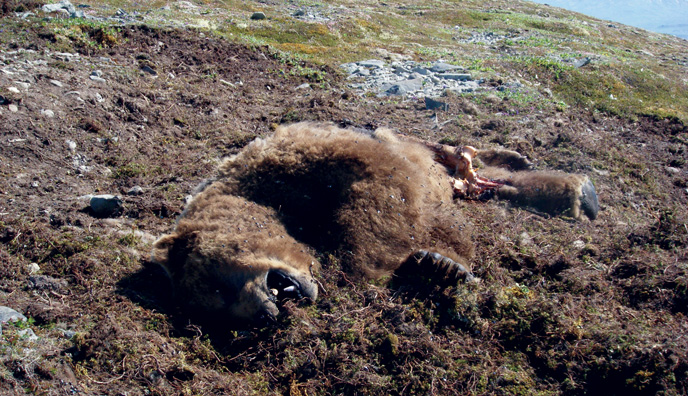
x,y
409,78
33,268
71,145
524,239
27,334
136,190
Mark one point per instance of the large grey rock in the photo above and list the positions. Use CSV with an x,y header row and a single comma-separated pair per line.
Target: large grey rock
x,y
257,16
10,315
64,7
105,205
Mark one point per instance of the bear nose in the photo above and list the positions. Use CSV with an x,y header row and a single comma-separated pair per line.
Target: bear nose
x,y
264,319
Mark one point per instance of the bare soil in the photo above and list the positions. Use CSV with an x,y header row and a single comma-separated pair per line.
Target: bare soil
x,y
564,307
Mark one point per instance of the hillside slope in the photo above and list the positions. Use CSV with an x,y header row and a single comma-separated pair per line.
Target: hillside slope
x,y
114,98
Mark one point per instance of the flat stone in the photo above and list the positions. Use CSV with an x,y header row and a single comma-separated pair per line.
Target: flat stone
x,y
441,67
56,83
455,76
372,63
13,108
402,87
46,283
97,79
13,89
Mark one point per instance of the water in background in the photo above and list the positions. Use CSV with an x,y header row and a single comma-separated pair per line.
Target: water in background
x,y
661,16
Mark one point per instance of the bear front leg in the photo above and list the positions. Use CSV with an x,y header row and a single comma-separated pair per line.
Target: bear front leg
x,y
432,267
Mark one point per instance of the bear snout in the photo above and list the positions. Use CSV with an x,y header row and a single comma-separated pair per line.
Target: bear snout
x,y
289,286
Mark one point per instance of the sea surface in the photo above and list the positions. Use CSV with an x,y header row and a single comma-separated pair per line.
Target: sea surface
x,y
661,16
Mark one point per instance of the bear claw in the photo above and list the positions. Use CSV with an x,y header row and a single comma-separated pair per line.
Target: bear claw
x,y
441,267
589,203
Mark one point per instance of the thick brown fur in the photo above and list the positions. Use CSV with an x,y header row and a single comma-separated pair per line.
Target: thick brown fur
x,y
379,204
373,201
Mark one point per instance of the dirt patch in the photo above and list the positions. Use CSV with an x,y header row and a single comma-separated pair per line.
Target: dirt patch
x,y
563,308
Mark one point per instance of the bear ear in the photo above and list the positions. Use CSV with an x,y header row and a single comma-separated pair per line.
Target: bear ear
x,y
161,249
171,252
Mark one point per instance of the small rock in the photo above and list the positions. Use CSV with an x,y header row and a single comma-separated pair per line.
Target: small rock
x,y
13,108
71,145
68,334
304,86
56,83
581,62
105,205
47,113
13,89
299,13
97,79
10,315
149,70
46,283
27,334
422,71
257,16
671,169
136,190
432,104
97,73
33,268
578,244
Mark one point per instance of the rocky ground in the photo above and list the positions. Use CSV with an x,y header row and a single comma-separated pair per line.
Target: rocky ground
x,y
133,117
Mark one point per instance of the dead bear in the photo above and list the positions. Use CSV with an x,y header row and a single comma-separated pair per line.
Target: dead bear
x,y
246,240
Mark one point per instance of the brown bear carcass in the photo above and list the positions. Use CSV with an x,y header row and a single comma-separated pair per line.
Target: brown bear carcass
x,y
247,239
